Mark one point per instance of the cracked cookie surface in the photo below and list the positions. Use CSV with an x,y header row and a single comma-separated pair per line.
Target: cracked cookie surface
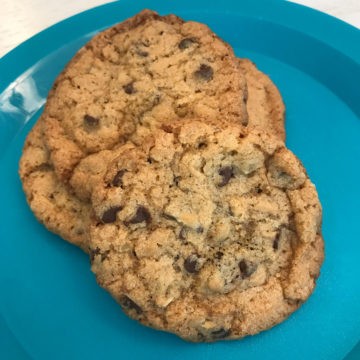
x,y
133,77
206,231
60,219
265,110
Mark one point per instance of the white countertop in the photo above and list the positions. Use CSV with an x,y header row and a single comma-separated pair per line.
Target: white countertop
x,y
21,19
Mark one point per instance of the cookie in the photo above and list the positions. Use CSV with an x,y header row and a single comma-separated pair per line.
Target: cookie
x,y
264,101
51,201
133,77
265,107
207,231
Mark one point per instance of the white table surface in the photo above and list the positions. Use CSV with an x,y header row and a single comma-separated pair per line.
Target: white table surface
x,y
21,19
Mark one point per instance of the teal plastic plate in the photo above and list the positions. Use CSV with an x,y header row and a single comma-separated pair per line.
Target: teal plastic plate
x,y
50,304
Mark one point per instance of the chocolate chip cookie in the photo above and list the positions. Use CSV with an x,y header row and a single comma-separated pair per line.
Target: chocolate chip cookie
x,y
133,77
265,110
207,231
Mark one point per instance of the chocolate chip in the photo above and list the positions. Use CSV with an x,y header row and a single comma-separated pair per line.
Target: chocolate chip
x,y
220,333
205,72
129,304
91,121
246,268
226,173
142,53
109,216
186,43
199,229
191,264
219,255
142,214
129,88
93,253
117,180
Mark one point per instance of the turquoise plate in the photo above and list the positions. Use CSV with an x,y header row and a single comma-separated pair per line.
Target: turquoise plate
x,y
50,304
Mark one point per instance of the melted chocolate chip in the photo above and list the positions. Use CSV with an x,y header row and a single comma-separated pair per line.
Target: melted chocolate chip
x,y
142,214
246,268
226,173
186,43
205,72
91,122
129,304
220,333
129,88
109,216
191,264
117,180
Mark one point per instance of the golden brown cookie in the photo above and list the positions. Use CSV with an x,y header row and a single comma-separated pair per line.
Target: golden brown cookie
x,y
265,110
133,77
207,231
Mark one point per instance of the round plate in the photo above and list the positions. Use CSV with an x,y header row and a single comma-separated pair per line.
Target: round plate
x,y
49,298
